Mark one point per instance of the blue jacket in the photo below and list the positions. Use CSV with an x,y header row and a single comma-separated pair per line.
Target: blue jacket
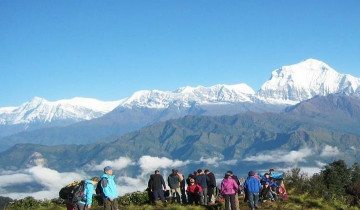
x,y
202,180
109,187
271,183
88,192
252,185
277,176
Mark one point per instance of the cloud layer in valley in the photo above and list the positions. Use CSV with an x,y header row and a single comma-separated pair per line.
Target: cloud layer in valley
x,y
50,181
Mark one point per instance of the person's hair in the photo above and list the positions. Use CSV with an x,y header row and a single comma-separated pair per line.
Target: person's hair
x,y
271,170
230,172
227,175
206,170
95,179
157,171
199,170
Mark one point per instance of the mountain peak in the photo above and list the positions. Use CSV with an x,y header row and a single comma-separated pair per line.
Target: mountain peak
x,y
37,100
304,80
187,96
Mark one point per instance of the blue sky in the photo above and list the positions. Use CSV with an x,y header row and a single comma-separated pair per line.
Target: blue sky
x,y
109,49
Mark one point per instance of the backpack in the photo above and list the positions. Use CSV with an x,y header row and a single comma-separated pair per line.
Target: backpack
x,y
99,192
73,192
99,189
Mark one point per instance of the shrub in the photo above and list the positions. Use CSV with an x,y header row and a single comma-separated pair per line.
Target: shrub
x,y
26,203
136,198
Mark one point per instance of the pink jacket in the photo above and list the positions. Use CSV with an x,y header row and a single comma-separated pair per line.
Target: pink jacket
x,y
228,186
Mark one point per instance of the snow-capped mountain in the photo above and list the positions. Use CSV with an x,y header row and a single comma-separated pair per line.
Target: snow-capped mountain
x,y
295,83
188,96
41,111
288,85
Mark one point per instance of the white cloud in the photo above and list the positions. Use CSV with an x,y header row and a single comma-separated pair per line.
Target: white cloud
x,y
129,184
229,162
303,170
120,163
8,180
329,151
149,164
310,170
51,180
320,164
215,161
210,161
281,156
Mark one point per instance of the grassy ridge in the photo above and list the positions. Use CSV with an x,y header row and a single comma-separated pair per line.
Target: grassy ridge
x,y
295,201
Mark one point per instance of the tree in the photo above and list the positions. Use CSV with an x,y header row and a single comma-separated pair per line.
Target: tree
x,y
4,201
355,174
337,177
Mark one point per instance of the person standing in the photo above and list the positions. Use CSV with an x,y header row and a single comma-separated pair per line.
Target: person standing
x,y
157,186
252,187
86,202
201,179
229,187
174,184
109,189
237,192
211,184
182,187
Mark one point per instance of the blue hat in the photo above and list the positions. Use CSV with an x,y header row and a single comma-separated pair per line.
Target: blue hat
x,y
107,168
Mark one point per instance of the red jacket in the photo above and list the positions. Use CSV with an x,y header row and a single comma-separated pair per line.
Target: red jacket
x,y
195,188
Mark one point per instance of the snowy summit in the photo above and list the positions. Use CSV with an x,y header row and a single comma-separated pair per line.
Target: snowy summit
x,y
298,82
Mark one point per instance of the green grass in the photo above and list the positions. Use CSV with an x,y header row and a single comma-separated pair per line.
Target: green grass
x,y
295,201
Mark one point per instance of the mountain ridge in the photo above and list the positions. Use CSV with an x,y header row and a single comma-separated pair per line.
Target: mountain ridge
x,y
288,85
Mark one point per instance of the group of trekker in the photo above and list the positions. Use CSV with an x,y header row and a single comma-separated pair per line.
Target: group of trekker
x,y
198,188
202,189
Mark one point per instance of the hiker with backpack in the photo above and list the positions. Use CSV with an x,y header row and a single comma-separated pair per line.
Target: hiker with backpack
x,y
109,189
84,194
78,195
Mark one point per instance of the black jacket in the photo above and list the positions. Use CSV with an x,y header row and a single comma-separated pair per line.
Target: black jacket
x,y
156,182
211,180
